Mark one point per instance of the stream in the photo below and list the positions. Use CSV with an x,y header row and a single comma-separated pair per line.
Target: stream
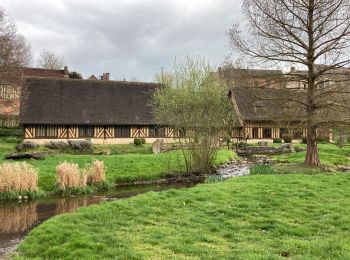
x,y
19,218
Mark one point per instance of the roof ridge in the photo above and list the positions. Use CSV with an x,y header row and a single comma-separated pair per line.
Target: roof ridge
x,y
89,81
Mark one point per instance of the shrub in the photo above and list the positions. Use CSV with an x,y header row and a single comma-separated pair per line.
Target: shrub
x,y
143,140
304,139
137,141
96,172
82,146
261,169
69,176
19,176
322,140
25,145
277,140
287,138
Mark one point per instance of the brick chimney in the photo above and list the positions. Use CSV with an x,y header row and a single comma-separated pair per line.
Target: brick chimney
x,y
105,76
66,72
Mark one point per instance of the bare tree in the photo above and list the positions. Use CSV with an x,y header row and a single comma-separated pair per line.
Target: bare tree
x,y
302,33
50,60
14,49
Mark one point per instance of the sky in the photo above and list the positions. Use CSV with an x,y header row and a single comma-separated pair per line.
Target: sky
x,y
131,39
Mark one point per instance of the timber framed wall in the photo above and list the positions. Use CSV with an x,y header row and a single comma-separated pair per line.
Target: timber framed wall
x,y
266,130
96,132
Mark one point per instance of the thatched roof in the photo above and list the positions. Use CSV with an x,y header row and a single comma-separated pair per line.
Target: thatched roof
x,y
257,104
86,102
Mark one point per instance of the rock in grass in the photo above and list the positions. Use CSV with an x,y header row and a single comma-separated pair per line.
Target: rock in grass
x,y
18,156
25,145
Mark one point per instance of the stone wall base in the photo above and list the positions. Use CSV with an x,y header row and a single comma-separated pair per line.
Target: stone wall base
x,y
102,141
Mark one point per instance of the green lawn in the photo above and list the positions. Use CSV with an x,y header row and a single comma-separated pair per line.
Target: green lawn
x,y
330,155
127,162
254,217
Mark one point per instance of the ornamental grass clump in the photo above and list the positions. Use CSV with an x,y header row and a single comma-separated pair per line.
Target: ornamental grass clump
x,y
96,172
69,176
18,177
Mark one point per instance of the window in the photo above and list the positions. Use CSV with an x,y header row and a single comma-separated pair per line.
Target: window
x,y
122,131
46,131
283,131
267,133
86,131
156,131
9,92
255,132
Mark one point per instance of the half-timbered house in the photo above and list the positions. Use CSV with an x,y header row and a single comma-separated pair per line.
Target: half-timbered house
x,y
265,113
102,111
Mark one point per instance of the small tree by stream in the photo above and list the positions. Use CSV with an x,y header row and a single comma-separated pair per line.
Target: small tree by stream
x,y
195,104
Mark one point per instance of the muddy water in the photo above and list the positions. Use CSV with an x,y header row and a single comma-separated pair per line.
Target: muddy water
x,y
17,219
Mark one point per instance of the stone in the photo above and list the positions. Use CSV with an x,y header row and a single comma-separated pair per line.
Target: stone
x,y
157,146
25,145
82,146
57,145
262,143
17,156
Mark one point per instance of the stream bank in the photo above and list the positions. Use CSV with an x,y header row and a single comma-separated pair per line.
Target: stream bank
x,y
19,218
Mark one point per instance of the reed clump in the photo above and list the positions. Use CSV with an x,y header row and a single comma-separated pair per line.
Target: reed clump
x,y
70,176
18,177
96,172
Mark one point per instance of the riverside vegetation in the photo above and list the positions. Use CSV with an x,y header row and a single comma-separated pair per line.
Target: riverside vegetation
x,y
255,217
124,164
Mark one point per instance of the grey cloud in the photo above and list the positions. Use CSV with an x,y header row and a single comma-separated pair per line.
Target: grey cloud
x,y
130,39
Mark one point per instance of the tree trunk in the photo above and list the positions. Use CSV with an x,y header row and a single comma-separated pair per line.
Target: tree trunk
x,y
312,159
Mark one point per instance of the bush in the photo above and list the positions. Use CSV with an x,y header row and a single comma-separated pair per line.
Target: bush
x,y
26,145
304,139
18,177
82,146
69,176
137,141
96,172
261,169
7,132
287,138
57,145
322,140
277,140
143,140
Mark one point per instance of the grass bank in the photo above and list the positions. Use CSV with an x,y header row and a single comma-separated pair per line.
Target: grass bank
x,y
126,163
254,217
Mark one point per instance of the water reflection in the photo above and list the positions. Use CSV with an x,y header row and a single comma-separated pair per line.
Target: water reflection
x,y
18,218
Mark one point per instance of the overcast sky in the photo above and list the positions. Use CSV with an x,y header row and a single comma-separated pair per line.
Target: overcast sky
x,y
131,39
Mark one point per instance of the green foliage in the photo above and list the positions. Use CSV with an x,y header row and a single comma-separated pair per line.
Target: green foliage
x,y
261,169
143,140
330,155
214,179
194,102
277,140
11,132
254,217
21,195
75,75
322,140
127,163
138,141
